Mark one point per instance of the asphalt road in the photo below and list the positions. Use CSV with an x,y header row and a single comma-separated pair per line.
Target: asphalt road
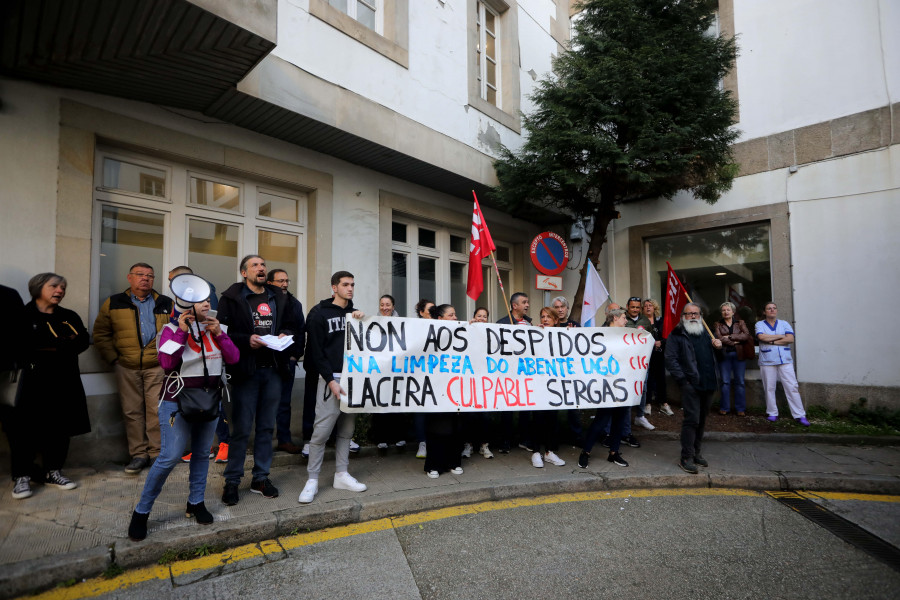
x,y
672,544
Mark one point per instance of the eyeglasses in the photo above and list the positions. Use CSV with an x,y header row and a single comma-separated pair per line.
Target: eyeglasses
x,y
634,299
143,276
691,314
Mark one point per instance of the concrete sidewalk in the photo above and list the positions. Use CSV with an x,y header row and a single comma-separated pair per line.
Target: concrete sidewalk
x,y
57,535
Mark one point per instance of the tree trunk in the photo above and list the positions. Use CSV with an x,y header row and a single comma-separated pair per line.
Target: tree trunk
x,y
603,216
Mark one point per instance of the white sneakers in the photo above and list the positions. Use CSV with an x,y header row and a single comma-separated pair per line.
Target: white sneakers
x,y
382,445
342,481
346,481
643,422
485,451
421,453
457,470
433,474
304,452
666,410
354,447
553,459
309,491
536,460
467,450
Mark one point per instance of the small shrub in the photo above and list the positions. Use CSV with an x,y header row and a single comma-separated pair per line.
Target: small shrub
x,y
113,571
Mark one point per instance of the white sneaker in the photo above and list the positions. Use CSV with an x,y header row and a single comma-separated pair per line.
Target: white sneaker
x,y
643,422
346,481
485,451
305,452
536,460
421,453
467,450
309,491
382,445
354,447
433,474
648,408
401,443
553,459
457,470
666,410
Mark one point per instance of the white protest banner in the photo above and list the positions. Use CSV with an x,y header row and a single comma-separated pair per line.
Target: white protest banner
x,y
394,364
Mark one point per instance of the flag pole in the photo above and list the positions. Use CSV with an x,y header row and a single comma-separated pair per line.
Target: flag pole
x,y
502,291
686,295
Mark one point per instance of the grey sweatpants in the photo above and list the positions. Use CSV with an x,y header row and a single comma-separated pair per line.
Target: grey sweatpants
x,y
329,416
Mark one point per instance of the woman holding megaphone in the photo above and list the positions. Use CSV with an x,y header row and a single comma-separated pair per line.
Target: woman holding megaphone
x,y
193,353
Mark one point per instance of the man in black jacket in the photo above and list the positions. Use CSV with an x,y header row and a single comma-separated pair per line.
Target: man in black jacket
x,y
252,309
325,327
691,360
279,278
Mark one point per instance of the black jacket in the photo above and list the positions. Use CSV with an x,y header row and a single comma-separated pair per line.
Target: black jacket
x,y
234,311
15,330
681,360
325,326
295,350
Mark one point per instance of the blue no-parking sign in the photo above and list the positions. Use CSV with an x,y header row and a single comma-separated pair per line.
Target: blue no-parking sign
x,y
549,253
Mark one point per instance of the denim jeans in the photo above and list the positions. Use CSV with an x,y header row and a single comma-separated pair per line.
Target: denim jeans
x,y
283,418
173,439
254,399
732,371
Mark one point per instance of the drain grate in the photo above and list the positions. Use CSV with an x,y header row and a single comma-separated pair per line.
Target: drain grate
x,y
850,532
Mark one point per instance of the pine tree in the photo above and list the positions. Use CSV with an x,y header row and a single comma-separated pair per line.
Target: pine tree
x,y
633,110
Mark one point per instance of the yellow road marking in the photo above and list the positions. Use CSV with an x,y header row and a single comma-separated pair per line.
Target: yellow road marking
x,y
843,496
99,585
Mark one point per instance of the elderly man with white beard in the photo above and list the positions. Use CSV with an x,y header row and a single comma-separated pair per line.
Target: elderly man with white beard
x,y
691,361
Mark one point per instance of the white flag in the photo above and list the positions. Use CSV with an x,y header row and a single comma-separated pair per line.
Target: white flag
x,y
595,295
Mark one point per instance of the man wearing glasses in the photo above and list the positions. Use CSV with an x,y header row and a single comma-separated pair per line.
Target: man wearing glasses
x,y
692,363
125,335
279,278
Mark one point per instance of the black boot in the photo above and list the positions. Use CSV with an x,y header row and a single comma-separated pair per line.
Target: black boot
x,y
199,512
137,530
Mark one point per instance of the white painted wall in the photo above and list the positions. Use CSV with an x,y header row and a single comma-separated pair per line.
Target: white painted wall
x,y
434,90
28,163
807,61
844,249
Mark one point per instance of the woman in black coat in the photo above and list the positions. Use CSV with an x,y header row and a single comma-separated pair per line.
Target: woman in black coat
x,y
51,406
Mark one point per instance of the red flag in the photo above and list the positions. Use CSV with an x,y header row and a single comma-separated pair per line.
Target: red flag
x,y
675,301
482,245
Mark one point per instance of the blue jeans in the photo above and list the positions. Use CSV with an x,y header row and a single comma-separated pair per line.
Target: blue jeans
x,y
254,399
283,418
173,439
732,371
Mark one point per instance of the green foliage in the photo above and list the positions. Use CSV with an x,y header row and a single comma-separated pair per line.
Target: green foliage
x,y
858,420
171,555
67,583
633,110
113,571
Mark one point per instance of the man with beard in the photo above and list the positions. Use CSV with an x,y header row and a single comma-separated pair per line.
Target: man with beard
x,y
692,363
252,309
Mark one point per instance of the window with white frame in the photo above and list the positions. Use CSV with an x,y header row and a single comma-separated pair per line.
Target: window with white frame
x,y
430,262
487,25
168,214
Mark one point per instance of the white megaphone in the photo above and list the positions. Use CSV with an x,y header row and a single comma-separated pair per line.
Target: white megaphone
x,y
189,289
